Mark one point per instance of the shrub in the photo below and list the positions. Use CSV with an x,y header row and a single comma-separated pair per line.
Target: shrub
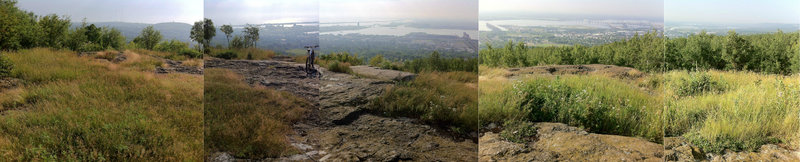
x,y
190,53
5,66
90,47
227,55
435,100
698,82
376,61
335,66
519,131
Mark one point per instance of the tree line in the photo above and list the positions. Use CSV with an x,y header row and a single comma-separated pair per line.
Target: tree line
x,y
775,53
433,62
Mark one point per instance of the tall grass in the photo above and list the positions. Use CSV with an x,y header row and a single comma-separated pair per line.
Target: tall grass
x,y
76,109
595,102
247,121
438,98
754,109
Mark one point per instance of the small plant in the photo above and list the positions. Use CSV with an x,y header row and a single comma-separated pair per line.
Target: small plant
x,y
699,82
249,56
190,53
338,67
227,55
519,131
5,66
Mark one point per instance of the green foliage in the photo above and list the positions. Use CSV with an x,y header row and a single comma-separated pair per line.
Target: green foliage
x,y
769,53
251,35
697,82
228,55
190,53
643,52
376,61
171,46
436,98
249,56
238,42
228,30
519,131
55,30
338,67
435,63
18,28
597,103
342,57
148,38
5,67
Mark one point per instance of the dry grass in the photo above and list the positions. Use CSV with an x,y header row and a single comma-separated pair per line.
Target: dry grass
x,y
193,62
435,98
742,111
250,122
76,109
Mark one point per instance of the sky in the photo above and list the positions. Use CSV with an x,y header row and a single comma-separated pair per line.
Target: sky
x,y
733,11
637,8
360,10
238,12
139,11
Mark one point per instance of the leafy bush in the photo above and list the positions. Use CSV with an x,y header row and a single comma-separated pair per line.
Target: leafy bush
x,y
190,53
434,99
5,66
171,46
519,131
335,66
227,55
343,57
90,47
698,82
600,104
376,61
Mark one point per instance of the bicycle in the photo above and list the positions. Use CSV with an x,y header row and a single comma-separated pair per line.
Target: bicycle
x,y
310,70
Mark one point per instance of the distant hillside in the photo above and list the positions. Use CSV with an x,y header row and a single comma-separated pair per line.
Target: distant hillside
x,y
170,30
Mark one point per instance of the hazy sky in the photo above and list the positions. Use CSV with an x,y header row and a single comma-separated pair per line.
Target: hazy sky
x,y
733,11
637,8
239,12
359,10
140,11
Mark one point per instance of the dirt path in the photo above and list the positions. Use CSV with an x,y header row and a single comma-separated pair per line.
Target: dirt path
x,y
340,129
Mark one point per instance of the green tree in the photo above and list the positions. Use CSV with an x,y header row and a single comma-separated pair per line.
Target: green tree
x,y
228,30
737,52
112,38
18,28
54,30
251,35
237,42
148,38
209,31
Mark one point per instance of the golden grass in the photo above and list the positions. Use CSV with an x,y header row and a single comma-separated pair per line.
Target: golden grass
x,y
250,122
751,110
438,98
76,109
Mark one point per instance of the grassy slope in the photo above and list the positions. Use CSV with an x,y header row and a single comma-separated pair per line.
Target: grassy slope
x,y
440,98
247,121
595,102
740,110
74,108
715,110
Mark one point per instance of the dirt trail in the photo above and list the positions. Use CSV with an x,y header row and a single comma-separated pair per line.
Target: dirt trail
x,y
340,129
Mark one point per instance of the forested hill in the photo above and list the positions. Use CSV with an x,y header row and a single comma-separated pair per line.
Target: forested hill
x,y
170,30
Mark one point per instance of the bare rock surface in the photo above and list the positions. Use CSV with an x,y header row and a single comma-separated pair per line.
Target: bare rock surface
x,y
383,74
679,149
560,142
340,128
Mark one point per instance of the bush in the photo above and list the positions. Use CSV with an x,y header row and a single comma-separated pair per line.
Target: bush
x,y
171,46
90,47
519,131
190,53
227,55
376,61
434,99
698,82
335,66
5,66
